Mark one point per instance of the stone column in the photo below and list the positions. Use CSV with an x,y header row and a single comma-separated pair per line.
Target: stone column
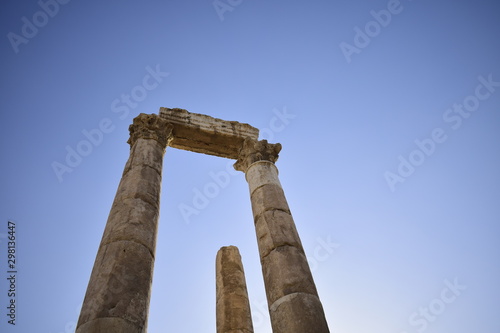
x,y
293,301
118,293
232,307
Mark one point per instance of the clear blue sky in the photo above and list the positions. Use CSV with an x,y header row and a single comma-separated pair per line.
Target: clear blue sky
x,y
388,113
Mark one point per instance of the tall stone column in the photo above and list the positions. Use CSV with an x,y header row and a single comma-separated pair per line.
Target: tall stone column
x,y
118,293
294,305
233,307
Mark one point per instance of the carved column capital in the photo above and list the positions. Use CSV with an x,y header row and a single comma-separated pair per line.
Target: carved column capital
x,y
150,126
253,151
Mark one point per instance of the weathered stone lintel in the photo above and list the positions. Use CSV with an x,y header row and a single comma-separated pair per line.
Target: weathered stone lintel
x,y
207,135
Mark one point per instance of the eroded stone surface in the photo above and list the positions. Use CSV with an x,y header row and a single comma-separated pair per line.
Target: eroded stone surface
x,y
134,220
286,271
274,229
150,126
268,197
120,284
262,173
109,325
299,313
135,210
232,307
208,135
253,151
288,280
145,152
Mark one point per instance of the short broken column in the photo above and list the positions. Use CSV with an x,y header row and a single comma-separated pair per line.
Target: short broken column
x,y
232,307
294,305
118,293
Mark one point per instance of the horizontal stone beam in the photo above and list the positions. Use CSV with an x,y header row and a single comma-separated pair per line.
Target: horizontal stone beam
x,y
204,134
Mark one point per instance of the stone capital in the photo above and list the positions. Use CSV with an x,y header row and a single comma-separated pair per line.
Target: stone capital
x,y
253,151
150,126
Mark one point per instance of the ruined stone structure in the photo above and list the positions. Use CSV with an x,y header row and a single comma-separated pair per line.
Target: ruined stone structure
x,y
119,290
232,305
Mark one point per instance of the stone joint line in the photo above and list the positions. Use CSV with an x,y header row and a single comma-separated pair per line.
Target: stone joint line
x,y
142,165
128,240
143,198
266,184
283,245
289,297
256,218
258,162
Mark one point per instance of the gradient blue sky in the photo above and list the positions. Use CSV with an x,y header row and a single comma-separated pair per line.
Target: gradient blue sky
x,y
393,250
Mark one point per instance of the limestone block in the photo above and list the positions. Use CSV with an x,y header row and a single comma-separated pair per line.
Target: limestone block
x,y
231,283
285,272
276,228
145,152
268,197
262,173
132,219
135,210
298,313
142,183
120,288
233,314
208,135
109,325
